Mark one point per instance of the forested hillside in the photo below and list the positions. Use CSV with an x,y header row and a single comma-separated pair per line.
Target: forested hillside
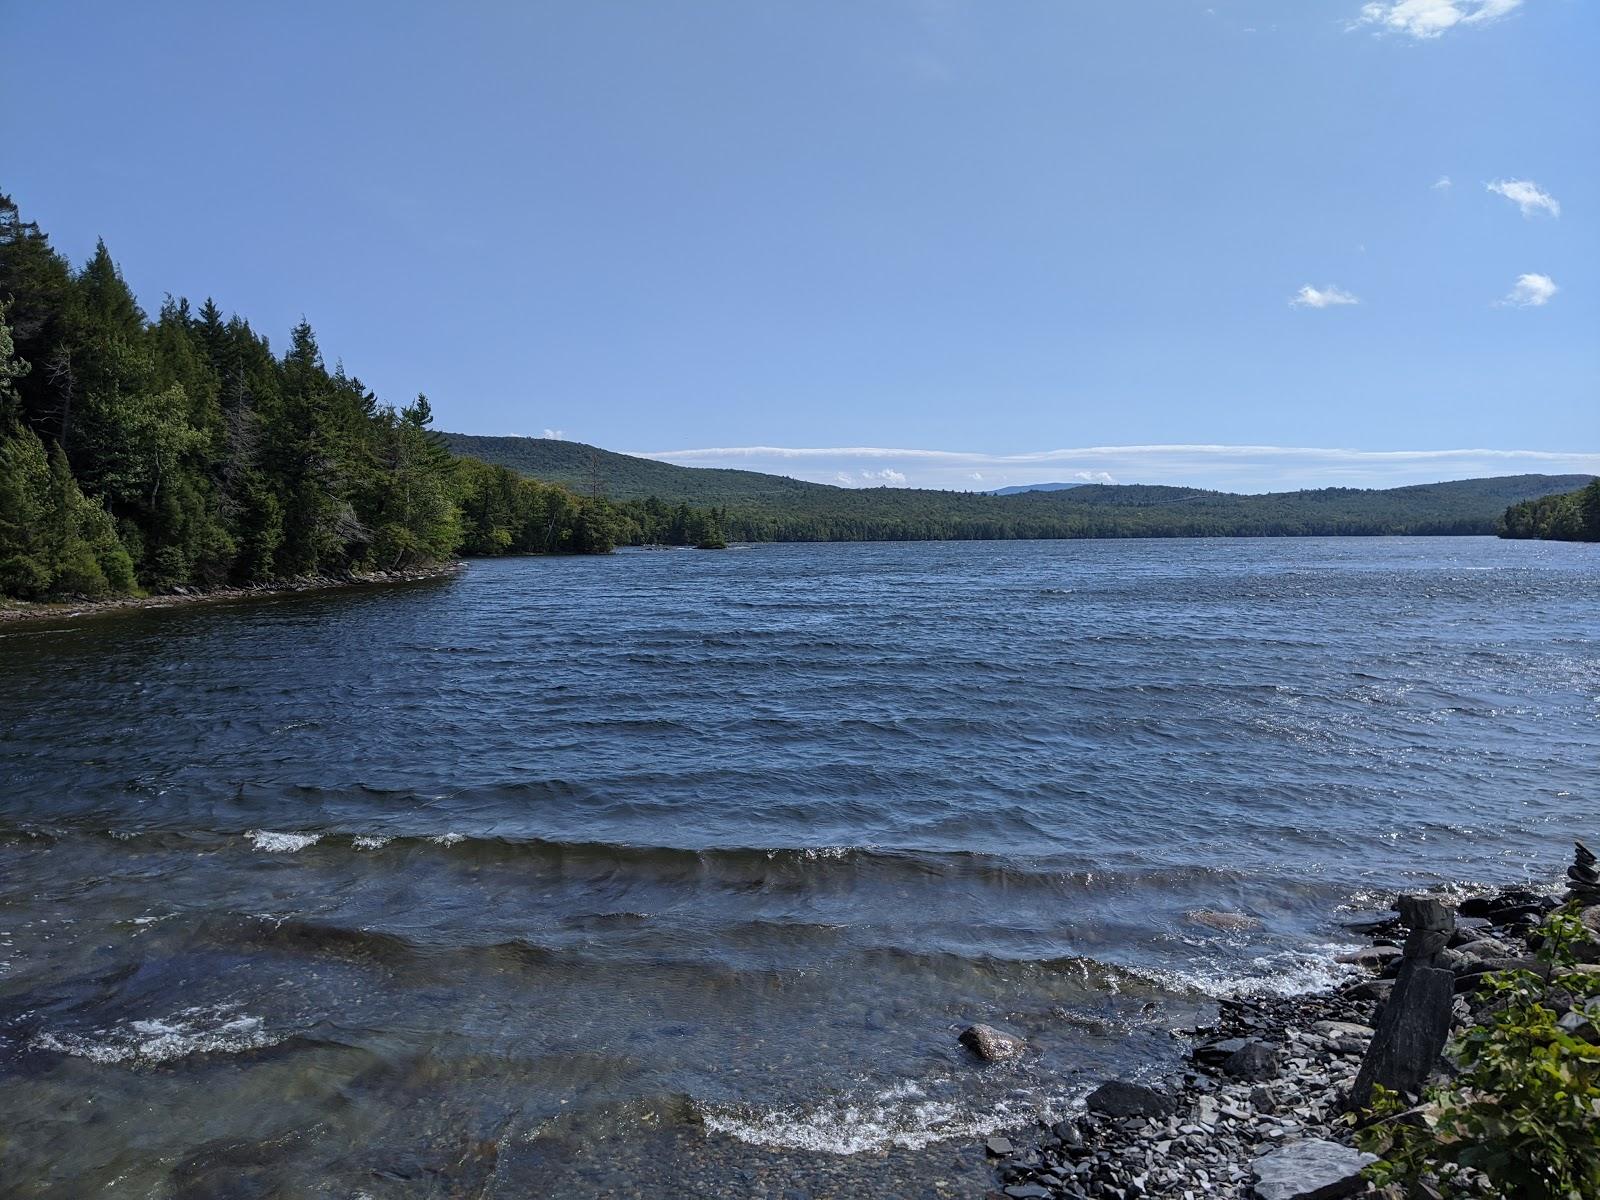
x,y
140,454
770,508
626,477
1567,517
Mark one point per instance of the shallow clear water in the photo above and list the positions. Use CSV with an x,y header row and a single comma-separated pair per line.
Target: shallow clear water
x,y
680,872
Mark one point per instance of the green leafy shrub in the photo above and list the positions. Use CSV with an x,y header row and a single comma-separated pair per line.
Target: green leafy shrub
x,y
1521,1120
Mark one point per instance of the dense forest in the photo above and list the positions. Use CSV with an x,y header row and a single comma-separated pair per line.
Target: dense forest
x,y
140,454
757,507
1566,517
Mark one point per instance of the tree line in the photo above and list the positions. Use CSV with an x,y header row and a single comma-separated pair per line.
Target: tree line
x,y
1565,517
754,507
140,454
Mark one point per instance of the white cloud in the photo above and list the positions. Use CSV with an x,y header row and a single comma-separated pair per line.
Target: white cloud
x,y
1430,18
888,476
1324,297
1233,468
1530,291
555,435
976,477
1526,195
1442,184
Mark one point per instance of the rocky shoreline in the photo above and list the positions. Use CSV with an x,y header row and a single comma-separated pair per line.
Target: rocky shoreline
x,y
1258,1111
25,610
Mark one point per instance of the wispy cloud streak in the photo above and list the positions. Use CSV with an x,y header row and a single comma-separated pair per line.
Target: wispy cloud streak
x,y
1227,467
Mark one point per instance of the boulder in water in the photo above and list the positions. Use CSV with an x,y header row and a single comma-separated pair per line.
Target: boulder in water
x,y
991,1044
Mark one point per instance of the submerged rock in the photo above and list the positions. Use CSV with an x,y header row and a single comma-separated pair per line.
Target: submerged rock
x,y
991,1044
1311,1169
1227,922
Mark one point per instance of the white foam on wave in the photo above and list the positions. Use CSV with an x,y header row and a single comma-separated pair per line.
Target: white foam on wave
x,y
192,1031
812,853
282,843
903,1115
370,841
1288,973
447,839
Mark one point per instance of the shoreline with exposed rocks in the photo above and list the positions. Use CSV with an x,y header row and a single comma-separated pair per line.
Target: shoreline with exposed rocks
x,y
62,610
1258,1109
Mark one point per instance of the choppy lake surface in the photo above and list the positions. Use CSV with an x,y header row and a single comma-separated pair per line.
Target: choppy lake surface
x,y
678,873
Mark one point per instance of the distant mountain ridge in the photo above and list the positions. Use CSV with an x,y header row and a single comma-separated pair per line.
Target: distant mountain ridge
x,y
761,507
1017,489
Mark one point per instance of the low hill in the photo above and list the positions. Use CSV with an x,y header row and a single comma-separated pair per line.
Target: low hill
x,y
763,507
1018,488
624,477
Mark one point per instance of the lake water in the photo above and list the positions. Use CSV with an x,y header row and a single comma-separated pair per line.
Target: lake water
x,y
679,873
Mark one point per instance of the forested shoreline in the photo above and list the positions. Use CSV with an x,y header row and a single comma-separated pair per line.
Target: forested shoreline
x,y
150,455
1564,517
182,452
756,507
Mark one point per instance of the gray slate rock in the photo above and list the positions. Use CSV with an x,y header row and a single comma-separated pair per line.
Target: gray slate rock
x,y
1369,989
991,1044
1311,1169
1426,943
1342,1029
1411,1033
1253,1060
1424,912
1120,1099
1218,1052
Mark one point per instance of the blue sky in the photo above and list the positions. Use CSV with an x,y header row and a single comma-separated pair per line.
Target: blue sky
x,y
1024,240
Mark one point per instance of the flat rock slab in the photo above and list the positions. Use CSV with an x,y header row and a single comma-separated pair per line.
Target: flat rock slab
x,y
1311,1169
1119,1099
1342,1029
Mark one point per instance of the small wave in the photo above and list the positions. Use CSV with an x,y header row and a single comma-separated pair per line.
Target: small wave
x,y
282,843
1287,973
903,1115
812,853
192,1031
370,841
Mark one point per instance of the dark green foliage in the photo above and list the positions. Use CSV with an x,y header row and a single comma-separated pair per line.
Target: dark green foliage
x,y
181,451
1521,1116
755,507
1567,517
